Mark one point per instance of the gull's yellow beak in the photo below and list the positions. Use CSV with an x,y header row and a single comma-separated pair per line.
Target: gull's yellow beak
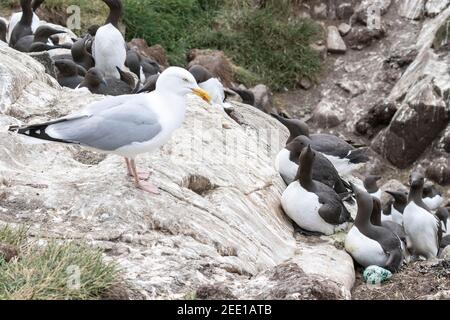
x,y
202,94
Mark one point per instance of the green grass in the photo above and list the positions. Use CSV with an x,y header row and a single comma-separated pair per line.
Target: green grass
x,y
269,44
169,23
13,237
50,272
265,43
277,51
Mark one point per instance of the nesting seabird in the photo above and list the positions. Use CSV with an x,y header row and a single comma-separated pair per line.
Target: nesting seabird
x,y
109,47
287,164
69,73
97,83
149,67
41,36
28,7
395,207
125,125
313,206
344,157
94,81
423,229
371,185
80,55
369,244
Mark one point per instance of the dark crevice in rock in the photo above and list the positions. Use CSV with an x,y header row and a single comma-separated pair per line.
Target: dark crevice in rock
x,y
88,157
197,183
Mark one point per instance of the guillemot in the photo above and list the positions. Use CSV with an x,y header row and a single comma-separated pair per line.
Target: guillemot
x,y
287,164
344,156
423,229
311,204
369,244
109,47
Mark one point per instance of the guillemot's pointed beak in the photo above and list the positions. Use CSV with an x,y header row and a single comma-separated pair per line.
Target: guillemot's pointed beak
x,y
202,94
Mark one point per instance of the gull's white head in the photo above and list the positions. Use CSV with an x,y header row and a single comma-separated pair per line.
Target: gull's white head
x,y
181,82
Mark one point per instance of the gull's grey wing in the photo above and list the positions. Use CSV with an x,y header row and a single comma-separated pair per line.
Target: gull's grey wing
x,y
110,128
106,103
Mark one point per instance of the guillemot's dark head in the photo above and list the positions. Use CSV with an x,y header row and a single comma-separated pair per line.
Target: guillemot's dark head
x,y
200,73
126,77
297,145
400,197
36,4
66,67
416,180
44,32
370,183
296,127
94,78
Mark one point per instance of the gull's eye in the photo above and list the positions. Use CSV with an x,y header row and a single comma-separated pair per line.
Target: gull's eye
x,y
185,79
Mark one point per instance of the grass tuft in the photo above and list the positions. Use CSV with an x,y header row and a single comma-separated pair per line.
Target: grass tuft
x,y
54,272
13,237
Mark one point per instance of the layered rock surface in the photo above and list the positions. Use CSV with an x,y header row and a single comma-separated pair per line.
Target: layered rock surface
x,y
218,219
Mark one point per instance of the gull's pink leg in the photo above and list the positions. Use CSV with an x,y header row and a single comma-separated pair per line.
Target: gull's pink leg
x,y
130,172
143,185
143,175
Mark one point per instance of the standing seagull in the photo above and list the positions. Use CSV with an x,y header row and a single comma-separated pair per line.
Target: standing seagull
x,y
126,125
109,47
423,229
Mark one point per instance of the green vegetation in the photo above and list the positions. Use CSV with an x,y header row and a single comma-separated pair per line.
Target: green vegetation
x,y
266,43
50,272
269,44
